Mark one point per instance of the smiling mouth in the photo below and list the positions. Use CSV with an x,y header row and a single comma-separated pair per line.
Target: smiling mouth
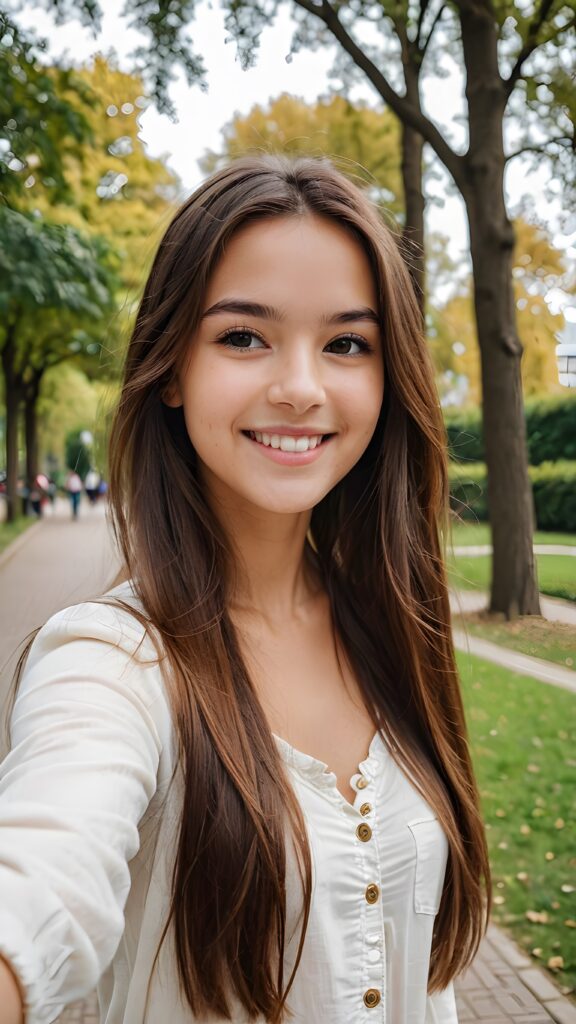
x,y
287,442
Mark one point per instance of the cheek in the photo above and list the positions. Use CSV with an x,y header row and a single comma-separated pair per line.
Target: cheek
x,y
363,403
207,402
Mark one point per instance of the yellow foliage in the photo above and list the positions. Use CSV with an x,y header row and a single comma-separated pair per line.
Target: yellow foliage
x,y
363,142
537,267
118,191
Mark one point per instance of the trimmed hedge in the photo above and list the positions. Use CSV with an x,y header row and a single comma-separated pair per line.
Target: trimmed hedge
x,y
550,426
553,487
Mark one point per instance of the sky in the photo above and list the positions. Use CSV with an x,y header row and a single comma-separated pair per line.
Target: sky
x,y
202,115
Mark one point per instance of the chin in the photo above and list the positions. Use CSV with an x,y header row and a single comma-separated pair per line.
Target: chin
x,y
289,504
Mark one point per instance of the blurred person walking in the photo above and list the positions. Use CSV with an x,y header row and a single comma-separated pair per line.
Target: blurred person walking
x,y
92,485
73,487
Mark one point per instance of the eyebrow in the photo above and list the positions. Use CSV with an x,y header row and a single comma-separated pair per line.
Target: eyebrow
x,y
256,309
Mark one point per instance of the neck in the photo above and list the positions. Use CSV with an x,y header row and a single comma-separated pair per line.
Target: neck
x,y
275,575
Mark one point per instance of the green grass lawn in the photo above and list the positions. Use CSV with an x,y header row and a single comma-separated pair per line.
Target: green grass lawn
x,y
531,634
464,534
523,736
556,574
9,531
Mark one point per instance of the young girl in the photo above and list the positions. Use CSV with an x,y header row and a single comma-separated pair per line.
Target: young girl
x,y
239,786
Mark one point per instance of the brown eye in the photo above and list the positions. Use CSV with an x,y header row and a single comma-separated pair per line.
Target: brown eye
x,y
241,340
348,345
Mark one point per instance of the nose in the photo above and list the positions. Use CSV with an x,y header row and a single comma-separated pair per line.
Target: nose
x,y
298,380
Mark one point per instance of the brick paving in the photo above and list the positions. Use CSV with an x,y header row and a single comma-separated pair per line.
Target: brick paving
x,y
502,986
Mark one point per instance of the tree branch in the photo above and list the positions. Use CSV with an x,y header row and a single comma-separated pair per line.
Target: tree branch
x,y
561,140
404,110
530,44
424,4
437,17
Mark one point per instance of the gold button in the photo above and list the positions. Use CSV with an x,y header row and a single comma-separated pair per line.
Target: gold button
x,y
362,783
372,893
371,998
365,809
364,832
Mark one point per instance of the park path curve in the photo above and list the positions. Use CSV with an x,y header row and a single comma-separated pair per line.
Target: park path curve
x,y
62,562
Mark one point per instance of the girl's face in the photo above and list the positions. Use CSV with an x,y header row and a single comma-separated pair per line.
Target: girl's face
x,y
284,380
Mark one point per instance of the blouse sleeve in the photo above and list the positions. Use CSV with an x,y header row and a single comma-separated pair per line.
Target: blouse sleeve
x,y
441,1007
81,772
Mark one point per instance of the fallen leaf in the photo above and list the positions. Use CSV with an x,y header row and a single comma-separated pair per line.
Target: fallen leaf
x,y
522,876
549,855
537,916
570,922
559,823
567,888
537,951
525,830
534,768
500,813
556,963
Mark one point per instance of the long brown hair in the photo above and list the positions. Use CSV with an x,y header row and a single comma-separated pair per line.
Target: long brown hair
x,y
378,538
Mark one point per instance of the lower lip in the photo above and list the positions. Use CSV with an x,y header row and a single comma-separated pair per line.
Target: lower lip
x,y
290,458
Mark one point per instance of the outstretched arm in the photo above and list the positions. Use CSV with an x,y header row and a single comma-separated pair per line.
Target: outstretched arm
x,y
73,789
11,1008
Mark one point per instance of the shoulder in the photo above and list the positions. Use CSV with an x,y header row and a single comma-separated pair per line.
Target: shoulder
x,y
117,619
100,653
108,642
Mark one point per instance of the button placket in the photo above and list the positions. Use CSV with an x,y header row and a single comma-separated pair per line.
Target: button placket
x,y
372,988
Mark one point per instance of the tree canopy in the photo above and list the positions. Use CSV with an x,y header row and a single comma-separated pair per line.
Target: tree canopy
x,y
363,142
39,126
537,267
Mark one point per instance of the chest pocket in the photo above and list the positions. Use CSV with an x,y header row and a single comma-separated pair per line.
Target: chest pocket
x,y
431,855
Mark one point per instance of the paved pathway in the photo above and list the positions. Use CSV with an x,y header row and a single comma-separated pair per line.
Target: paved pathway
x,y
546,671
474,550
59,563
552,608
56,562
525,664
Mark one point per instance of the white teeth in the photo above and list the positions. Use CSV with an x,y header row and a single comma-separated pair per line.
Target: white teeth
x,y
286,443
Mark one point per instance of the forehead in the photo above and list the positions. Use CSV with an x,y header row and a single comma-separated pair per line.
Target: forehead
x,y
294,262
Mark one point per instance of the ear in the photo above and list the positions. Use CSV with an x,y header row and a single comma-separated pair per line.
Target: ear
x,y
172,396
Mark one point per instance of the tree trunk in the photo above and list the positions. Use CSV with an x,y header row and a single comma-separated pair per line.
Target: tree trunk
x,y
413,233
411,166
514,583
12,409
31,428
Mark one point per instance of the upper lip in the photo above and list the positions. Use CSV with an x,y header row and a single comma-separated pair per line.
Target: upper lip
x,y
292,431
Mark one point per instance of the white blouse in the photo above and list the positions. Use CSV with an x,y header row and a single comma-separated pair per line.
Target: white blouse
x,y
88,821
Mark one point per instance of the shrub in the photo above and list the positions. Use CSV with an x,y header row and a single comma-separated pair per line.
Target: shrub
x,y
553,487
464,429
550,428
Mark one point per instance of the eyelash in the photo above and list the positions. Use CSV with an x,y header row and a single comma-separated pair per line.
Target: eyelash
x,y
225,339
